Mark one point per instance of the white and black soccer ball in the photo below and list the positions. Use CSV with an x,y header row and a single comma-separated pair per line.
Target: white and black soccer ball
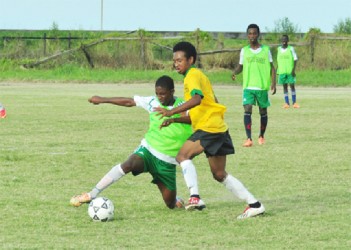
x,y
101,209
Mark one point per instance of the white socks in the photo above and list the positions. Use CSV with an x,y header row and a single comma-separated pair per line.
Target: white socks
x,y
238,189
112,176
190,176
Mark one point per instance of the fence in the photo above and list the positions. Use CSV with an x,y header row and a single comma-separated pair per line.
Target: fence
x,y
139,44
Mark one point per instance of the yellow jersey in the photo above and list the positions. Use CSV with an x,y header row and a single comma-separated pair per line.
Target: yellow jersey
x,y
209,115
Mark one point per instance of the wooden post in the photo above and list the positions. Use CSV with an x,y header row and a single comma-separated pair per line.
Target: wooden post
x,y
198,42
87,56
313,37
69,40
142,49
44,44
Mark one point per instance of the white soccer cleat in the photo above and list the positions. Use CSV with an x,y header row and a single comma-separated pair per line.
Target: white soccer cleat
x,y
195,203
251,212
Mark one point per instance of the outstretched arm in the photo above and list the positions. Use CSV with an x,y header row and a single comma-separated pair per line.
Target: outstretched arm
x,y
120,101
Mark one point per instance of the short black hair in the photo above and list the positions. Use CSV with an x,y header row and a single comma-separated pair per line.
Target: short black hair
x,y
285,35
187,48
253,26
165,82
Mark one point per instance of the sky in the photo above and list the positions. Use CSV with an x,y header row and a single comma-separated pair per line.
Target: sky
x,y
175,15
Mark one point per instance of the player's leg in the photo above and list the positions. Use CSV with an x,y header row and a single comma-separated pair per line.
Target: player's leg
x,y
217,164
263,124
286,96
247,124
170,197
189,150
133,163
293,96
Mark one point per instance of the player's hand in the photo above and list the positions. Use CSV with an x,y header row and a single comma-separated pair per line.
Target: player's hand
x,y
166,123
233,77
95,100
163,112
273,90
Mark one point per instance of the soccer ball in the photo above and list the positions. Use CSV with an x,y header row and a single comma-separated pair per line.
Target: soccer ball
x,y
101,209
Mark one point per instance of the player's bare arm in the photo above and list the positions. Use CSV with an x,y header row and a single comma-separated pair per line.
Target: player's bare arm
x,y
193,102
120,101
237,70
183,119
274,81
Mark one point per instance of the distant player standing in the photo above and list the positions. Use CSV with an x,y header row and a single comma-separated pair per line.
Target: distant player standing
x,y
287,59
256,62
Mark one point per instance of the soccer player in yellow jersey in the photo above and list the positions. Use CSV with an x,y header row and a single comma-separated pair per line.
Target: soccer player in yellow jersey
x,y
210,132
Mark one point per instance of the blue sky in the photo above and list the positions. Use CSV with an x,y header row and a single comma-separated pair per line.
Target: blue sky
x,y
165,15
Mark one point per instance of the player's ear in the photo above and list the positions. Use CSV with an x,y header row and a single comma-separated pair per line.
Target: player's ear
x,y
172,91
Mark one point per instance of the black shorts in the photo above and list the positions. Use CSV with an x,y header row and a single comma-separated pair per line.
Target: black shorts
x,y
215,144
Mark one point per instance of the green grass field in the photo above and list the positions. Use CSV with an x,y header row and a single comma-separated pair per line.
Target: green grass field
x,y
54,144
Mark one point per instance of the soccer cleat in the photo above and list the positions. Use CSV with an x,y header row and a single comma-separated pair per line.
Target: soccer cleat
x,y
286,106
179,202
261,140
296,106
248,143
195,203
78,200
251,212
2,113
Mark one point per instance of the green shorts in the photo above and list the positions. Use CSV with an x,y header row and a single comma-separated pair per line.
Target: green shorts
x,y
161,171
253,97
286,79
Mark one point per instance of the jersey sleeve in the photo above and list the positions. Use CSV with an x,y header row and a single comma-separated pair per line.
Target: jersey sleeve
x,y
241,60
145,102
293,53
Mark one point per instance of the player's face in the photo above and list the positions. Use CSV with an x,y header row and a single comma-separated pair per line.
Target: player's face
x,y
253,35
181,63
164,95
285,41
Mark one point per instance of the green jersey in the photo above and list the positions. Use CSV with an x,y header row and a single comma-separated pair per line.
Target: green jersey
x,y
256,68
285,60
163,143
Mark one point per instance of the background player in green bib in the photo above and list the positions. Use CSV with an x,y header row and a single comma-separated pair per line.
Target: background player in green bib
x,y
286,60
256,62
157,151
211,133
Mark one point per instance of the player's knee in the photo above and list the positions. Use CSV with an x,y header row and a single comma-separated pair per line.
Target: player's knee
x,y
248,109
219,176
263,112
170,205
181,157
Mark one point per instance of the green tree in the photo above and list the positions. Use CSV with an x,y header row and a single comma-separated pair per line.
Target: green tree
x,y
285,26
343,27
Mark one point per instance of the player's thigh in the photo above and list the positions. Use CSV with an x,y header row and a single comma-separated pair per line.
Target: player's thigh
x,y
249,97
133,164
189,150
